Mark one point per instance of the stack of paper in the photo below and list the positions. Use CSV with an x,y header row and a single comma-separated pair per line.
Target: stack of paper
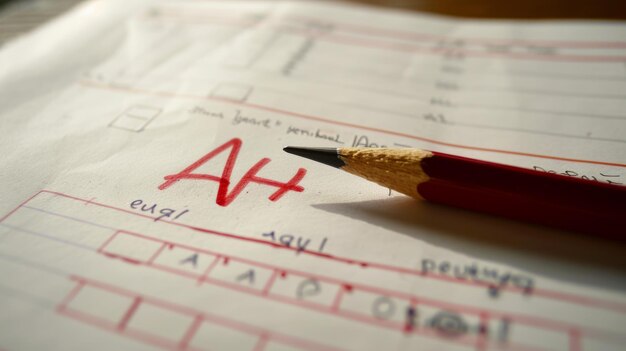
x,y
147,203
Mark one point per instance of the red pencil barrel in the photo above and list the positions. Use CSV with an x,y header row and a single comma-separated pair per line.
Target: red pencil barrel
x,y
523,194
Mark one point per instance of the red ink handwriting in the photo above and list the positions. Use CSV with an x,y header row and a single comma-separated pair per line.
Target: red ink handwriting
x,y
224,197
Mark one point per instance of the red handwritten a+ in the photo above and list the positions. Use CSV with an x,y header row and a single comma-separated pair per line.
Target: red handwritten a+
x,y
224,197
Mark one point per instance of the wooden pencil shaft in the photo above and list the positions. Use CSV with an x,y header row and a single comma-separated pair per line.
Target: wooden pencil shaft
x,y
518,193
527,195
521,207
570,191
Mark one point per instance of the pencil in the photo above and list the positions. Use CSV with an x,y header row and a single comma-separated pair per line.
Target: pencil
x,y
522,194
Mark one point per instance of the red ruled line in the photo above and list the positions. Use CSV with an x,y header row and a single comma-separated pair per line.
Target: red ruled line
x,y
107,241
191,331
129,313
337,301
574,340
270,282
260,345
206,272
343,124
156,253
550,294
75,290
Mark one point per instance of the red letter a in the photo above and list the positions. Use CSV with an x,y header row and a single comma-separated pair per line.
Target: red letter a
x,y
224,198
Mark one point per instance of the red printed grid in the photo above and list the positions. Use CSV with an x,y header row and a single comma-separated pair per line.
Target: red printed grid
x,y
480,325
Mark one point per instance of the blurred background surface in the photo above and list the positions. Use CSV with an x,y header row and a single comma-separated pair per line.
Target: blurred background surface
x,y
21,16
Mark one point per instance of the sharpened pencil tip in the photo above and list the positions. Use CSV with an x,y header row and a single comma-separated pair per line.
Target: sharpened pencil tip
x,y
326,155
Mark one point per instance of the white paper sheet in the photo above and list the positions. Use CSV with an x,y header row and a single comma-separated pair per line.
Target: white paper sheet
x,y
253,249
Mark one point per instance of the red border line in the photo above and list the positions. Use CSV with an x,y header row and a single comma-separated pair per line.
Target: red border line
x,y
261,343
129,314
270,282
574,341
191,331
107,241
208,270
344,124
156,253
70,296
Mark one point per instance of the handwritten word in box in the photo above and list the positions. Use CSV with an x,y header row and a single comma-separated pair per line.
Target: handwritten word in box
x,y
232,91
101,304
306,289
131,248
235,272
161,322
184,260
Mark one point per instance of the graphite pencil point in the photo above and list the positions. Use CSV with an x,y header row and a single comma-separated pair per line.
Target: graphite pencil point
x,y
326,155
